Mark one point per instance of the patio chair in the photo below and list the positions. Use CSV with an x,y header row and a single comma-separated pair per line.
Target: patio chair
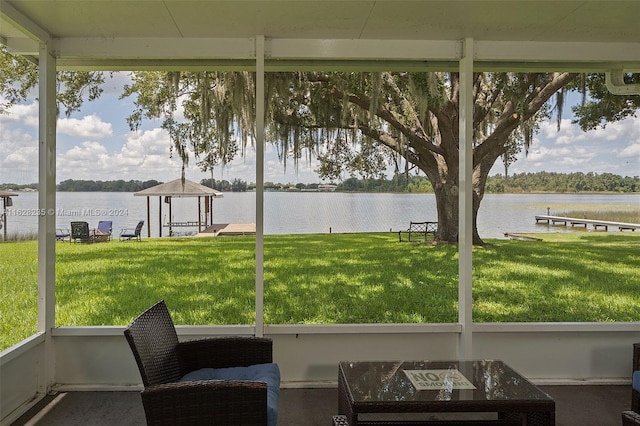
x,y
80,233
632,417
104,229
62,234
129,233
220,380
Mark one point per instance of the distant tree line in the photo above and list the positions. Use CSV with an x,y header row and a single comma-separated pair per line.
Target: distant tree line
x,y
71,185
398,183
562,182
224,185
517,183
16,187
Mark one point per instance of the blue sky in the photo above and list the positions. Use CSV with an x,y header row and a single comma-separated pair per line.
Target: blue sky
x,y
96,144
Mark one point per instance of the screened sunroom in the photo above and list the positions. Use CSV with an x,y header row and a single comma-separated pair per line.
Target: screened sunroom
x,y
262,37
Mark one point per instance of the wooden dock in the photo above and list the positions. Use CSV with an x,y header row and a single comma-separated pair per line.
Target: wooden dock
x,y
519,237
221,229
597,224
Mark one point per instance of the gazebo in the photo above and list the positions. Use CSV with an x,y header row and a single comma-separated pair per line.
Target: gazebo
x,y
180,188
465,37
6,202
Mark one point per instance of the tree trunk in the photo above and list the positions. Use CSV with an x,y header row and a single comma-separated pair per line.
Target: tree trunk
x,y
447,206
447,199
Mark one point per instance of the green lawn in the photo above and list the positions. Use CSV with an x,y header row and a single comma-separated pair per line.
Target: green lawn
x,y
326,279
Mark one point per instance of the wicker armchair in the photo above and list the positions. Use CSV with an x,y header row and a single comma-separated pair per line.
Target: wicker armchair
x,y
163,361
632,418
635,395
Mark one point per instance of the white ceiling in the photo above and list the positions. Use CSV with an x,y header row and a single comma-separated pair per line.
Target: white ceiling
x,y
597,21
102,32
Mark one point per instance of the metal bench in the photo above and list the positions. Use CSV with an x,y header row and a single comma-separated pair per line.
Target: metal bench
x,y
419,231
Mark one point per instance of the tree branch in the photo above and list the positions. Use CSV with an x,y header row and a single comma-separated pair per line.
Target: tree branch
x,y
510,118
412,136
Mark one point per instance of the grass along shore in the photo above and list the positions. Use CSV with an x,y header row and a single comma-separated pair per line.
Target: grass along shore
x,y
628,216
326,279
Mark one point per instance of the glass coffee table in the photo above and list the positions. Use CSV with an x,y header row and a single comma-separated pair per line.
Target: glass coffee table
x,y
385,392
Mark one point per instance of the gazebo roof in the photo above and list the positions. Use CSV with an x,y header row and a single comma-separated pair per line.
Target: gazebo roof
x,y
178,188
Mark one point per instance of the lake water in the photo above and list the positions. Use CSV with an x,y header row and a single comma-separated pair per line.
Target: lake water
x,y
314,212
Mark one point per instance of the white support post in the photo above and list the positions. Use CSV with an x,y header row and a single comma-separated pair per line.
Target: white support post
x,y
260,186
47,207
465,224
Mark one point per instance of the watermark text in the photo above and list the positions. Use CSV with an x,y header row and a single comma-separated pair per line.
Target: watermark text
x,y
85,212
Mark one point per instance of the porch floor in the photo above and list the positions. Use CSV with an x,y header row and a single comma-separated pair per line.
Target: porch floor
x,y
575,405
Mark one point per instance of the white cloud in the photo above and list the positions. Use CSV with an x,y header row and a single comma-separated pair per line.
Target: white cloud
x,y
620,130
89,160
86,151
630,159
564,156
18,155
26,114
90,126
631,151
567,135
145,155
614,149
146,143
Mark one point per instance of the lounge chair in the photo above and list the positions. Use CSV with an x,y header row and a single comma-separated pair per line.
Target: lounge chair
x,y
80,233
62,234
225,381
103,231
129,233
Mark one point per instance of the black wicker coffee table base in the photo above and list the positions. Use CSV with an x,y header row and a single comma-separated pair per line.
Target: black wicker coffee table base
x,y
367,390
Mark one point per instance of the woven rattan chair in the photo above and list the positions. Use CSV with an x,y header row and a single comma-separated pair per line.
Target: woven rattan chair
x,y
80,232
163,361
632,418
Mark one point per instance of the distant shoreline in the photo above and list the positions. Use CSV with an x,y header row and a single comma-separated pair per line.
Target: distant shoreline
x,y
518,183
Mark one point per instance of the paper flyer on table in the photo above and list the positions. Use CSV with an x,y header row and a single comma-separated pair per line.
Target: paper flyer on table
x,y
438,379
